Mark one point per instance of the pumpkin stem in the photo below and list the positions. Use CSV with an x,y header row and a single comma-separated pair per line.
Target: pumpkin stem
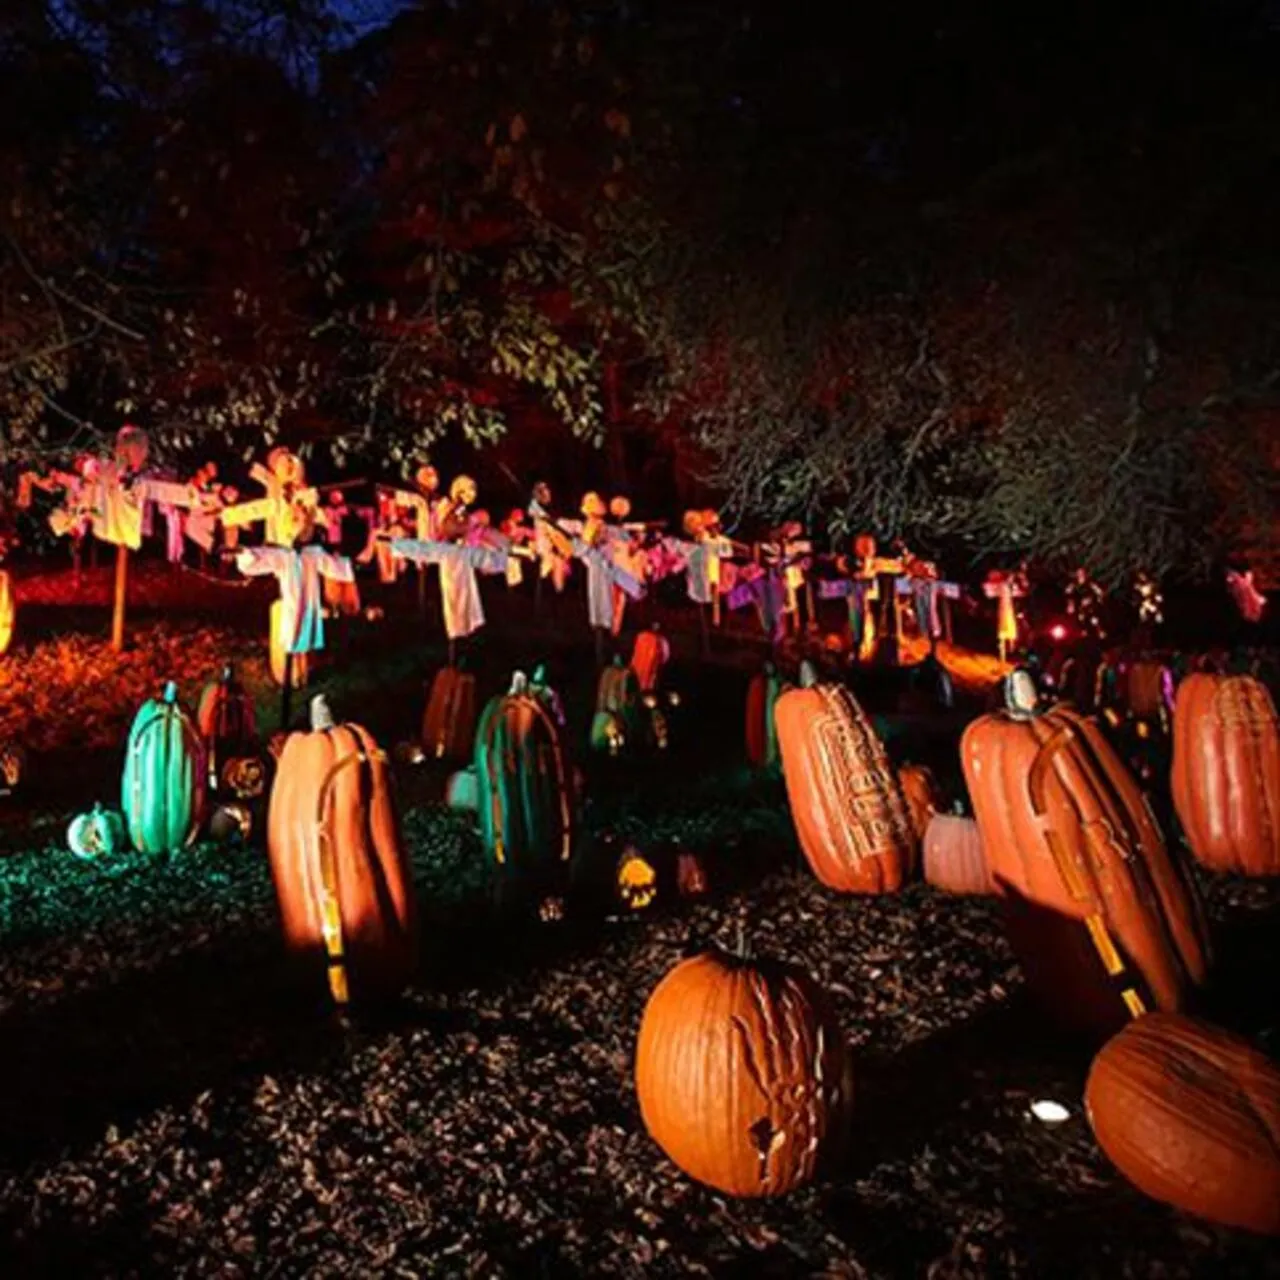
x,y
170,691
1021,699
321,715
742,948
808,674
519,683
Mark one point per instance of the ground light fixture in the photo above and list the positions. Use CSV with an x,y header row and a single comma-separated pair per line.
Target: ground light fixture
x,y
1049,1112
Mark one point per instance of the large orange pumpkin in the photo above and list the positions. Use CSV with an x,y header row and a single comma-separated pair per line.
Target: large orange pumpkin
x,y
743,1075
649,656
1226,773
8,612
854,824
1072,847
449,723
337,859
227,721
1190,1114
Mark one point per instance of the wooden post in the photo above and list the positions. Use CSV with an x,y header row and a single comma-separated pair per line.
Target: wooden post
x,y
122,583
422,592
810,606
453,652
706,633
286,689
946,618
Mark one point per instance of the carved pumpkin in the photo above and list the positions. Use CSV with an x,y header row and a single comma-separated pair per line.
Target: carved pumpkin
x,y
743,1075
953,858
231,823
854,825
300,671
618,693
90,835
8,612
525,788
163,790
691,875
649,657
1190,1114
608,734
636,881
245,777
338,862
762,739
227,722
449,724
1074,851
1226,773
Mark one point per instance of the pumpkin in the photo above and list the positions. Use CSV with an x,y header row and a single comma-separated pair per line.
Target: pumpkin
x,y
691,875
231,824
461,791
742,1074
337,859
920,790
854,824
245,777
1147,685
8,612
1190,1114
163,790
635,881
90,835
649,656
342,599
618,693
1080,863
300,671
449,723
227,722
953,858
762,740
608,734
525,787
1226,773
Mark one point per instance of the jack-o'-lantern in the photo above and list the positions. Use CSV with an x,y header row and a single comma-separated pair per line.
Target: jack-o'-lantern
x,y
245,777
13,767
637,881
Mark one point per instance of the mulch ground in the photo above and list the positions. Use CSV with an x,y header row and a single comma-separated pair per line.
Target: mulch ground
x,y
170,1103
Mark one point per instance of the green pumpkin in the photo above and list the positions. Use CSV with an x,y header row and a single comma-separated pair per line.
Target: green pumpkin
x,y
524,787
608,733
618,694
163,791
90,835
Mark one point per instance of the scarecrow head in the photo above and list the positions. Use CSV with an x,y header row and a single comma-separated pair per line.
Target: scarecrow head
x,y
463,491
619,507
694,523
593,506
427,478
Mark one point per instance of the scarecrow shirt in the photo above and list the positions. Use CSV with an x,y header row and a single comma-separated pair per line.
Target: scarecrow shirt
x,y
603,575
300,575
548,546
459,564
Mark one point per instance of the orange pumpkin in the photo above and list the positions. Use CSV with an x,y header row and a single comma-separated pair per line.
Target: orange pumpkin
x,y
1226,773
342,599
1145,684
300,671
649,656
449,723
691,875
743,1075
920,790
953,858
1190,1114
1072,847
8,612
227,721
854,824
337,859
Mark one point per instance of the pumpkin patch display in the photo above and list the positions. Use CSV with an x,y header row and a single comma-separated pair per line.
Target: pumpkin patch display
x,y
1226,773
743,1075
99,832
524,788
449,723
1102,918
1190,1114
853,821
8,612
953,858
762,740
163,791
337,860
228,724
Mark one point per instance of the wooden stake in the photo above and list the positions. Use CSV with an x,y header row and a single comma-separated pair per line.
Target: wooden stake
x,y
122,584
422,591
706,633
946,618
286,689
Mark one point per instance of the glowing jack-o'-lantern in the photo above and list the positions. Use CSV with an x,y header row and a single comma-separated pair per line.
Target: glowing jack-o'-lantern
x,y
637,881
551,910
13,767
